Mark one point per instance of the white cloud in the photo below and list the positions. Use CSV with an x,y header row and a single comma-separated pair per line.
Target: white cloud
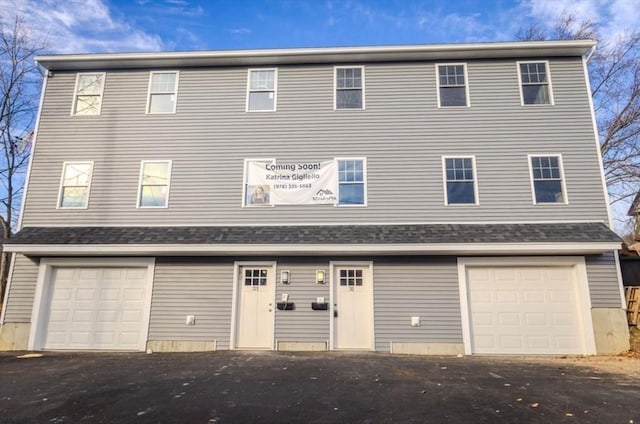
x,y
240,31
81,26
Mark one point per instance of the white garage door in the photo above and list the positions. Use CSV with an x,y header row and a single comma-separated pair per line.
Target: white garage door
x,y
97,308
524,310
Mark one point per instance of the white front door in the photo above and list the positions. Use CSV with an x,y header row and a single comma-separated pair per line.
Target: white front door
x,y
254,325
353,307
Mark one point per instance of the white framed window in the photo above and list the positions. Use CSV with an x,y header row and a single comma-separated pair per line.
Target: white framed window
x,y
155,178
262,89
535,83
460,180
547,179
75,184
163,92
87,98
255,194
453,89
352,181
349,87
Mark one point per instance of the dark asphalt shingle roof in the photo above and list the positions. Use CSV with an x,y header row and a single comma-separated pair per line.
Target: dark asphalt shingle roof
x,y
322,234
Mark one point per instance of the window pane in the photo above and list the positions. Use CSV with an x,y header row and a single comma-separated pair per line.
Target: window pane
x,y
349,99
87,105
535,94
460,192
90,84
261,101
162,103
349,78
155,173
262,80
76,174
548,191
453,96
163,83
351,194
153,196
74,197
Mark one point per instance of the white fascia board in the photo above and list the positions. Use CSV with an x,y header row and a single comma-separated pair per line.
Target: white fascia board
x,y
317,55
313,249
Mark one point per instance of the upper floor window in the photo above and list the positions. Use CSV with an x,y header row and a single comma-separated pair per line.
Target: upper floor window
x,y
154,184
352,176
547,179
460,180
87,99
349,86
74,185
452,86
261,90
163,92
535,83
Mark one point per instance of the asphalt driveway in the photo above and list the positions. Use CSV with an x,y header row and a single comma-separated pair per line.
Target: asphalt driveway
x,y
270,387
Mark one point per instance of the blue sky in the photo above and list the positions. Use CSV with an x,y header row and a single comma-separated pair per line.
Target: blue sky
x,y
91,26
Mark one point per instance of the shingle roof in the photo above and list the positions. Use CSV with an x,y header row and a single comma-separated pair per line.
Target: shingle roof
x,y
321,234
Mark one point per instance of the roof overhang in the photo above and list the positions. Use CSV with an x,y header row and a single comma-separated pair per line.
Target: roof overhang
x,y
334,55
439,249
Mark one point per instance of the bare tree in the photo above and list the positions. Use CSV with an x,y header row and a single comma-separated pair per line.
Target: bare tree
x,y
19,87
615,84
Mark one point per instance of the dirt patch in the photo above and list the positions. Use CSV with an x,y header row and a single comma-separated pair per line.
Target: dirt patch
x,y
635,341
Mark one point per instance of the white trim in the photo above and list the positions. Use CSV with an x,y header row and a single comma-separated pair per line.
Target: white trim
x,y
234,299
549,85
332,281
314,249
7,288
60,189
169,168
275,89
576,262
596,138
174,93
41,297
466,84
244,182
335,86
75,92
623,299
475,181
563,185
364,180
33,150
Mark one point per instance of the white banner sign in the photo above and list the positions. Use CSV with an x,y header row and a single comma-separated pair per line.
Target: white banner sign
x,y
298,183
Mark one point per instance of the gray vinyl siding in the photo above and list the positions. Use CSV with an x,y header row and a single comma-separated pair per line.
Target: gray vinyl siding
x,y
303,324
424,287
192,286
603,281
402,133
22,290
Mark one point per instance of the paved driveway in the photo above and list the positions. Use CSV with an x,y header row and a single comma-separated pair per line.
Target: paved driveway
x,y
250,387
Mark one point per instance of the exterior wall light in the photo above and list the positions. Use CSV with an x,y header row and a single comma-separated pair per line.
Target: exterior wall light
x,y
284,277
320,276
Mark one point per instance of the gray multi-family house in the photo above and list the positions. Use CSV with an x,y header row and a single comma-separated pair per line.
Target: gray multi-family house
x,y
427,199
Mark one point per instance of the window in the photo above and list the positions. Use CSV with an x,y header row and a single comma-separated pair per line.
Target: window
x,y
460,180
163,92
349,88
261,93
351,182
534,77
255,277
74,186
88,94
452,88
351,277
154,184
546,178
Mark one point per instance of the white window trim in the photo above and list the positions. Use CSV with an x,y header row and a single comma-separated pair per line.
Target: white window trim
x,y
275,89
364,180
60,189
335,87
466,84
174,92
475,181
75,92
169,169
549,85
562,178
244,182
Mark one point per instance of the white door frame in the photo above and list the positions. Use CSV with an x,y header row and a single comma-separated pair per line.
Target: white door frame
x,y
580,271
332,283
235,298
43,292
